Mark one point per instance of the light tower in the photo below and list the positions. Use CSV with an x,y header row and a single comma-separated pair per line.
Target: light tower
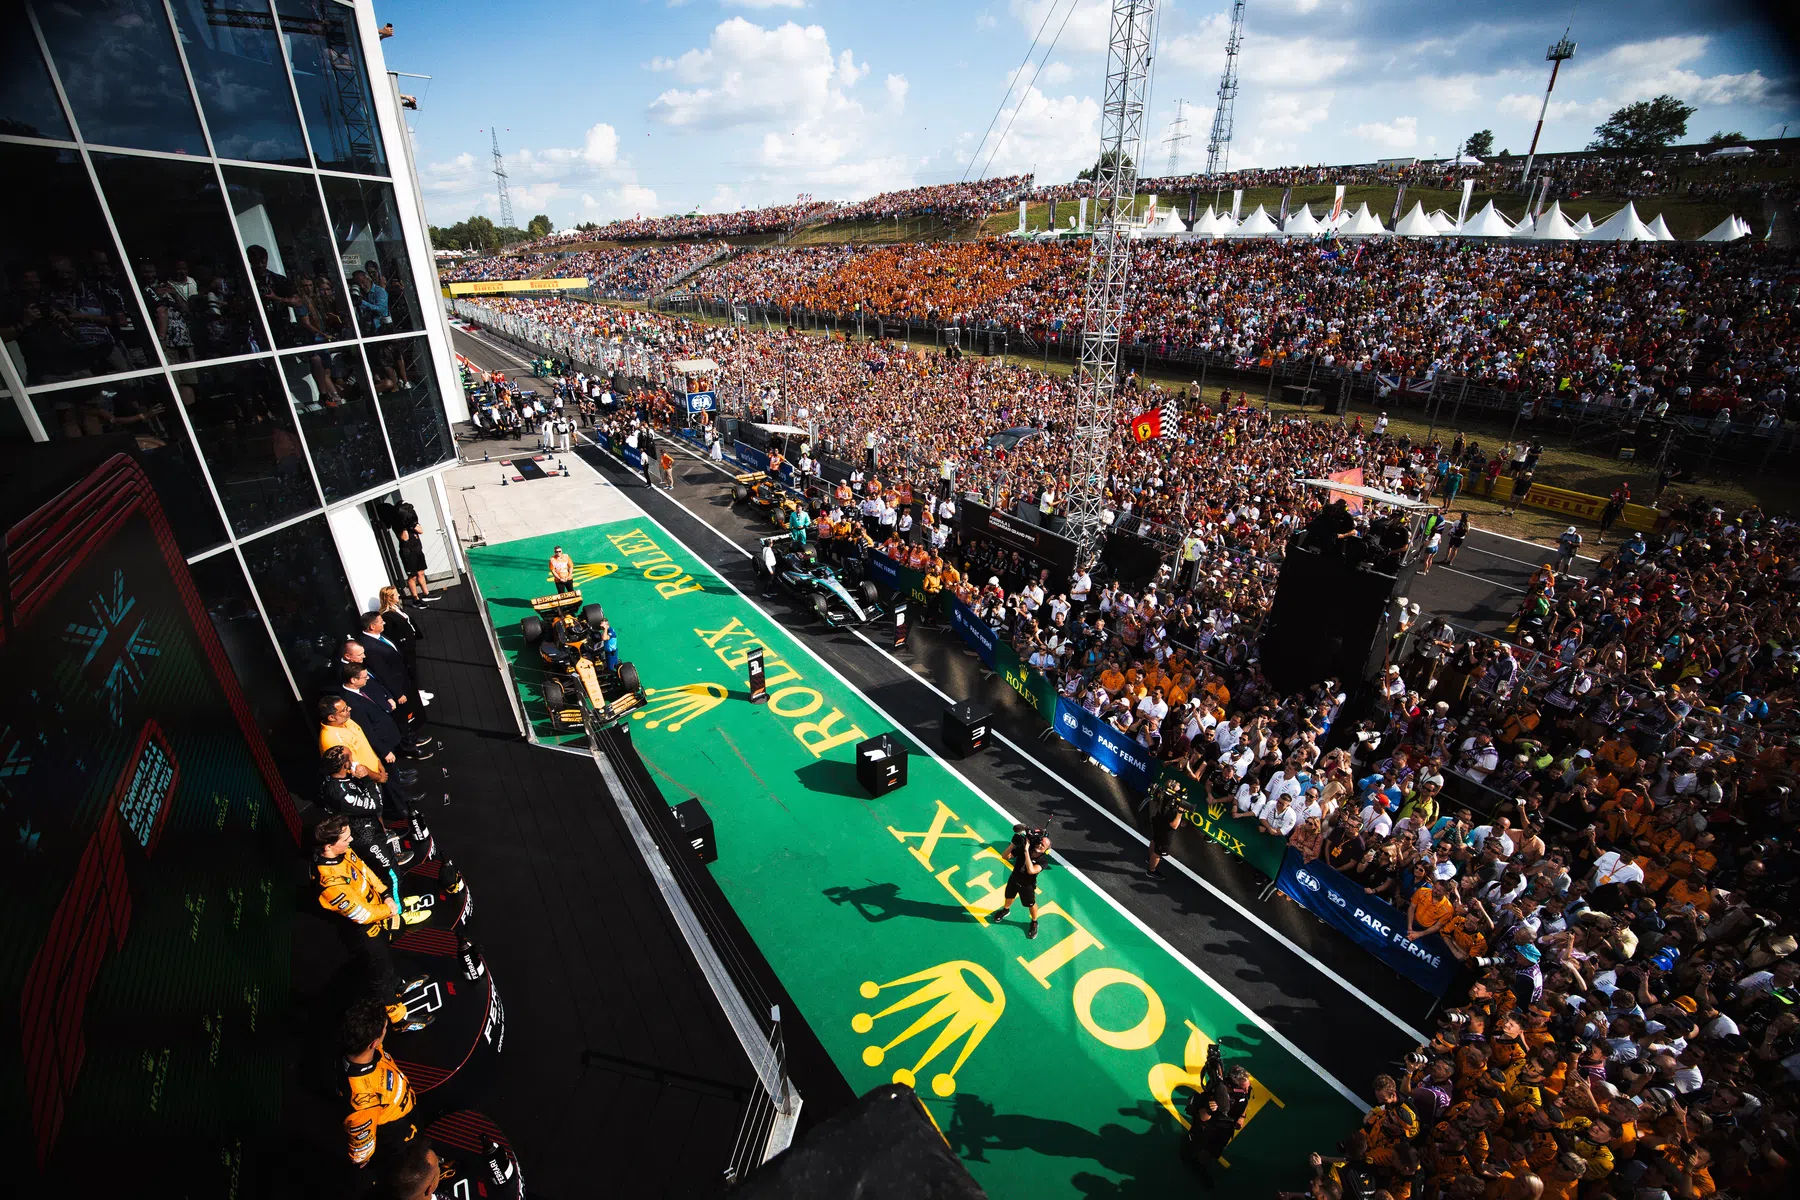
x,y
1178,135
1109,267
1558,54
1218,146
506,213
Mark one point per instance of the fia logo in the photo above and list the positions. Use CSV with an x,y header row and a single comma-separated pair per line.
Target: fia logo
x,y
677,706
1306,881
954,991
1068,718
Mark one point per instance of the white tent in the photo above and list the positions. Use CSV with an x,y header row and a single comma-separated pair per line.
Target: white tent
x,y
1586,223
1486,223
1660,228
1415,223
1257,224
1742,225
1551,226
1302,223
1208,224
1731,152
1440,221
1363,224
1725,231
1167,224
1464,160
1622,226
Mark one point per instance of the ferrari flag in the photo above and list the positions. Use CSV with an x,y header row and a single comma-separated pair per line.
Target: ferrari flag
x,y
1156,423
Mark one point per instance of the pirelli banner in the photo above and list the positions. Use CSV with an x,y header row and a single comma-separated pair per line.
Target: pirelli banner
x,y
490,287
1051,549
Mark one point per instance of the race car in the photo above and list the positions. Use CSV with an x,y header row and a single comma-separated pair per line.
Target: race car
x,y
834,601
577,683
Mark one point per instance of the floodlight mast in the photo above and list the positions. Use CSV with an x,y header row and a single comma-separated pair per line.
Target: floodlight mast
x,y
1128,63
1218,145
1558,54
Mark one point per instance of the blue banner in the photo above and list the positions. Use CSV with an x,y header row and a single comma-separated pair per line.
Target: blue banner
x,y
698,402
1369,921
884,570
973,630
1105,745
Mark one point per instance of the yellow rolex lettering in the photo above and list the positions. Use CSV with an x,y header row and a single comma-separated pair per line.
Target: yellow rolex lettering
x,y
735,628
664,571
808,703
771,679
678,587
817,737
632,543
940,821
1166,1077
1064,952
737,656
992,896
661,556
1139,1036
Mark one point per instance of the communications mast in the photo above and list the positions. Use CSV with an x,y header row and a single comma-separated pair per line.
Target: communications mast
x,y
1558,54
1218,146
506,213
1109,267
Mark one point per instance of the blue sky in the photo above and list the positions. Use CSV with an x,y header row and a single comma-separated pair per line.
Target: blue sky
x,y
659,106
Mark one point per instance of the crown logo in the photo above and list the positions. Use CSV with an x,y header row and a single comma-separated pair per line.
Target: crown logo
x,y
677,706
951,990
1216,811
588,572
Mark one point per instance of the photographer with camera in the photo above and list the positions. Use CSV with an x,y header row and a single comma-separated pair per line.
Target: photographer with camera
x,y
1167,803
1215,1113
1027,853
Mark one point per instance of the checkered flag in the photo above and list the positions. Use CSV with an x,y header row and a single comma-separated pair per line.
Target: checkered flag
x,y
1171,419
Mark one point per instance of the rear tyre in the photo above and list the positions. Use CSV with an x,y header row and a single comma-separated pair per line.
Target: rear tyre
x,y
593,614
628,678
555,696
532,630
740,493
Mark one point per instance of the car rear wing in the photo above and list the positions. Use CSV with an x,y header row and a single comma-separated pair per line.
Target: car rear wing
x,y
551,606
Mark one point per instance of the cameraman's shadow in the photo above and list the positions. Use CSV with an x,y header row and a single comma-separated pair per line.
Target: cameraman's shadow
x,y
975,1128
882,902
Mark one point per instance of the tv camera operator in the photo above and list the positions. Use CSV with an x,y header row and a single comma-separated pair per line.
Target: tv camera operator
x,y
1028,852
1215,1113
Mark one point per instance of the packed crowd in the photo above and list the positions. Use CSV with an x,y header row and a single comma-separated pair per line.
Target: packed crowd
x,y
493,266
632,270
776,218
1706,328
952,202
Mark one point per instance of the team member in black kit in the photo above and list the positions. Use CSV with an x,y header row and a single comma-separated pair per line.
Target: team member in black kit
x,y
1215,1113
1028,851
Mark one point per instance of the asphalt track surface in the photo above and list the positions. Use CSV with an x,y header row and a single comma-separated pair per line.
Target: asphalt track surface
x,y
1351,1015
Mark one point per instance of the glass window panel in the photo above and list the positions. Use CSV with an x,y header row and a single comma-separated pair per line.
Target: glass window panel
x,y
66,309
411,407
243,85
28,103
373,249
246,429
331,394
143,409
297,573
293,263
184,255
333,85
235,618
122,74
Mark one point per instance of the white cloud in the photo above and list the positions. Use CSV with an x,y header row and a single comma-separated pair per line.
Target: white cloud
x,y
766,3
897,87
985,21
660,63
586,182
1054,137
1401,133
1087,26
1287,112
1449,93
1057,74
847,70
748,76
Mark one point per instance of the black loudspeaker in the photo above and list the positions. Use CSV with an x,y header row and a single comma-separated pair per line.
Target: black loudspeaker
x,y
1331,619
881,765
697,828
883,1147
966,727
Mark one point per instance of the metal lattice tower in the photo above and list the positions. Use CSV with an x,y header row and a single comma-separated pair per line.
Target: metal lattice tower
x,y
1178,136
1558,54
1109,267
506,213
1218,145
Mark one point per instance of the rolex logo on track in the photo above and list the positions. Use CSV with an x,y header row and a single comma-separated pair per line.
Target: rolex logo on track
x,y
953,991
677,706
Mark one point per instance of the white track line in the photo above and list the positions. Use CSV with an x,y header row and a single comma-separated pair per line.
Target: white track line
x,y
1374,1005
1477,578
1522,541
1250,1015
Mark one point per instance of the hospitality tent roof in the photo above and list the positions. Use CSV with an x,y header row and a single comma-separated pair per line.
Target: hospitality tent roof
x,y
1257,224
1440,220
1167,224
1207,226
1660,228
1743,225
1551,226
1464,160
1415,223
1302,223
1366,493
1363,224
1584,224
1622,226
1725,231
1486,223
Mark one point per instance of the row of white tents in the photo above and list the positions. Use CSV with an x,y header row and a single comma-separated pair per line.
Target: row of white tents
x,y
1550,226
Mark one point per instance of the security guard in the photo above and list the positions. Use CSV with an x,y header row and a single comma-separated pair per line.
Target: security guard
x,y
348,887
380,1122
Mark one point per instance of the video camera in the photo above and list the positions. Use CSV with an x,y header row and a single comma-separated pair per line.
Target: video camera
x,y
1024,836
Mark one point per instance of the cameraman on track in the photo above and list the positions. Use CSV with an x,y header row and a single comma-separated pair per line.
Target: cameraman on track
x,y
1215,1113
1027,852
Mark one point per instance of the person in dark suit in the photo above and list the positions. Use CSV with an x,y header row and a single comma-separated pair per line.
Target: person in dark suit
x,y
371,708
413,737
387,663
404,631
